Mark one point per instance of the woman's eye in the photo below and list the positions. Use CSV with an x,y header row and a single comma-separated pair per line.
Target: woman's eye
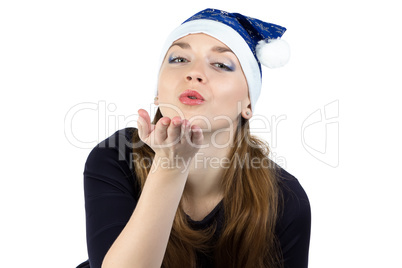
x,y
222,66
177,60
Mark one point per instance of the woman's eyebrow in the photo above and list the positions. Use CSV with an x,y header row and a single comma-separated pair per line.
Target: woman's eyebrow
x,y
182,45
221,49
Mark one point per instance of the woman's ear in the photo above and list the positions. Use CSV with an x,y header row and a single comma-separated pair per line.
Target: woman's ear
x,y
246,113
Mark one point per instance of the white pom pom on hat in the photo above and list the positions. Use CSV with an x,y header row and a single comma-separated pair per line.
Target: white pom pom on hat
x,y
273,53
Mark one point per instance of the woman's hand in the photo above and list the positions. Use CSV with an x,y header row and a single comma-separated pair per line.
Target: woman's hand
x,y
173,138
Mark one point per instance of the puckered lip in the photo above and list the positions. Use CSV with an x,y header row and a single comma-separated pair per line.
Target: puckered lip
x,y
191,94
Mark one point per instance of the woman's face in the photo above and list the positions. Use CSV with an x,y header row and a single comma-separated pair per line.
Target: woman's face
x,y
201,80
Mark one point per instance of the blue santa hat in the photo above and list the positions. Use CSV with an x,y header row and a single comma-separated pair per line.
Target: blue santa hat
x,y
254,42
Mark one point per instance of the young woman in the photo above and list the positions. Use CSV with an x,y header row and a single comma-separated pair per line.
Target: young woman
x,y
193,188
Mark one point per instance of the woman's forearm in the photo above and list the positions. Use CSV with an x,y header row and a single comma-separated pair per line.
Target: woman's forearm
x,y
143,241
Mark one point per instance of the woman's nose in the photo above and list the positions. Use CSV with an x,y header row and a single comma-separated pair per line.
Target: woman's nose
x,y
196,74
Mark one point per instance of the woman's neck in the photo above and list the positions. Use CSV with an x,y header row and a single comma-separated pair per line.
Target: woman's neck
x,y
204,190
208,165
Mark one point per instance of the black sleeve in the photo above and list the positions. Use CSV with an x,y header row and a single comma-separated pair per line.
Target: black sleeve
x,y
111,194
294,222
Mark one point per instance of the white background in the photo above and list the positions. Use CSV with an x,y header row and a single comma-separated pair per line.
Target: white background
x,y
102,55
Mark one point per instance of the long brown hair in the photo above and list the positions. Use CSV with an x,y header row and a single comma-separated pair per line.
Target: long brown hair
x,y
250,202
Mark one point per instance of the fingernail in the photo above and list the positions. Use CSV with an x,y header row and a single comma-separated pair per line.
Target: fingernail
x,y
176,123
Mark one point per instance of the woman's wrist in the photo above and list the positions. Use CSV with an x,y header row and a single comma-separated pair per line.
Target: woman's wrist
x,y
171,163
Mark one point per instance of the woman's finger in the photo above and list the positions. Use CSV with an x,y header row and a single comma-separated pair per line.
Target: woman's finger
x,y
174,130
160,132
143,128
144,114
196,135
185,132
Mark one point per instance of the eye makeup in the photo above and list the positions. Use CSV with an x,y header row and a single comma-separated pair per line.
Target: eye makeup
x,y
174,58
220,64
227,65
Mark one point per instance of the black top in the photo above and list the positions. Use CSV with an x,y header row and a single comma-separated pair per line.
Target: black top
x,y
111,194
